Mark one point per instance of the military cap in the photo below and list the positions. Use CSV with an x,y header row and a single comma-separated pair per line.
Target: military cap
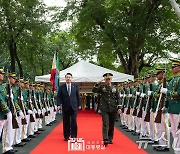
x,y
175,62
26,81
2,71
32,84
136,79
21,80
160,70
12,75
108,76
41,85
152,73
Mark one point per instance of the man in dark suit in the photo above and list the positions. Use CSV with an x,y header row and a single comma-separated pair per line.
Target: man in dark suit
x,y
68,96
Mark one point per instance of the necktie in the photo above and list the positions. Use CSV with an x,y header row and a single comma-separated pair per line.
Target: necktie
x,y
69,89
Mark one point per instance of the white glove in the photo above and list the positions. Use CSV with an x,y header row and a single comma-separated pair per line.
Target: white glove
x,y
124,95
21,114
30,112
39,111
142,95
44,110
149,93
121,95
130,95
164,90
55,107
9,115
137,93
35,111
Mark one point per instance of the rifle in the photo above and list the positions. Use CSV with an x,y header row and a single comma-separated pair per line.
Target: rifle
x,y
35,104
141,104
136,103
30,107
39,105
47,100
123,101
148,106
161,102
12,107
129,106
53,104
21,104
45,105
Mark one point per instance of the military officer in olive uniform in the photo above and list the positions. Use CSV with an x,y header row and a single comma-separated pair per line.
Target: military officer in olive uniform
x,y
109,103
173,95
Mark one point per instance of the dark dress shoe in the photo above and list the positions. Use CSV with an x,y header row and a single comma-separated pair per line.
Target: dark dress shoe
x,y
162,149
26,140
66,139
20,144
41,129
32,136
155,147
106,142
110,142
37,132
15,150
128,130
124,127
135,134
9,152
49,124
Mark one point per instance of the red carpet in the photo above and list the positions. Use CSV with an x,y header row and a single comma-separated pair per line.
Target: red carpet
x,y
89,128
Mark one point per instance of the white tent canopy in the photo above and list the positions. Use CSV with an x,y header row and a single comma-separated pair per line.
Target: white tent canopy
x,y
86,72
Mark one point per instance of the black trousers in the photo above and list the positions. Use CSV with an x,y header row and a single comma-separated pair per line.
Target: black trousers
x,y
70,123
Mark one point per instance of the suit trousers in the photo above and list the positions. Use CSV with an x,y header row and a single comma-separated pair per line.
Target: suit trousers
x,y
70,123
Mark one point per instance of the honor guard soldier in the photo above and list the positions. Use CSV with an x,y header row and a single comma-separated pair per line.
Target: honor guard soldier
x,y
5,118
162,116
11,124
173,95
4,109
109,103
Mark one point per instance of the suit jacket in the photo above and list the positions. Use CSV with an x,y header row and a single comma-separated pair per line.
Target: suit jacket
x,y
68,101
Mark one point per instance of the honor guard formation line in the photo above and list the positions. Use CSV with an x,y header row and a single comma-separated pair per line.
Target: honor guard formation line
x,y
151,105
148,107
23,108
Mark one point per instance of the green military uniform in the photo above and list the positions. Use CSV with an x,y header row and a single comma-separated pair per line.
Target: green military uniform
x,y
173,94
4,109
108,105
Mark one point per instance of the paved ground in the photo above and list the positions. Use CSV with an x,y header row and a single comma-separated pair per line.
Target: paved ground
x,y
34,142
149,149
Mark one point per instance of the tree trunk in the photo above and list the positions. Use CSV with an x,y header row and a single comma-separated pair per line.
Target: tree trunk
x,y
17,60
11,49
176,8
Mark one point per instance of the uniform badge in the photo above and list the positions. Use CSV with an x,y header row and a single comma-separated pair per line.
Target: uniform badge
x,y
114,90
104,89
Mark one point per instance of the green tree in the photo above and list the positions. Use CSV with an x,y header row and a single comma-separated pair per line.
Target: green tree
x,y
22,24
137,32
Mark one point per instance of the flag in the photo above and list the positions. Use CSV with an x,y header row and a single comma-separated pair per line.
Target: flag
x,y
55,74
